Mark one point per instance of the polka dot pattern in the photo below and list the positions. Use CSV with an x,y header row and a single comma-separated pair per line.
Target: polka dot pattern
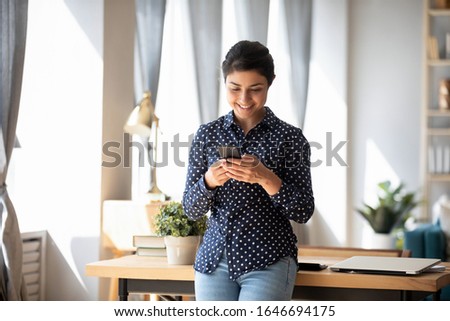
x,y
251,226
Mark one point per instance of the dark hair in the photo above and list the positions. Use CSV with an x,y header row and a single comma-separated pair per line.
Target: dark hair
x,y
249,55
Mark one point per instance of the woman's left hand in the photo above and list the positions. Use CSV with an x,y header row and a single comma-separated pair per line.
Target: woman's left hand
x,y
251,170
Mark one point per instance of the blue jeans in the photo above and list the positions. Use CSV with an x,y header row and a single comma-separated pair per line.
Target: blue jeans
x,y
274,283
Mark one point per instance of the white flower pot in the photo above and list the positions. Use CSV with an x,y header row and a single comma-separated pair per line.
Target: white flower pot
x,y
372,240
383,241
181,250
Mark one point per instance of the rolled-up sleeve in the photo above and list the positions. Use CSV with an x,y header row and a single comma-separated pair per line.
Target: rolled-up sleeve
x,y
295,197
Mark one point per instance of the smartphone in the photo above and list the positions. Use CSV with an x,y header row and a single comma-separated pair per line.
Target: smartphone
x,y
229,152
311,266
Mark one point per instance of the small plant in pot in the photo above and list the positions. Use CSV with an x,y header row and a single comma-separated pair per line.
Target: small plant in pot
x,y
394,206
181,234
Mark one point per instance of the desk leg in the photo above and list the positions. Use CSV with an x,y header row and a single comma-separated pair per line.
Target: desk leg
x,y
123,290
437,295
405,295
408,295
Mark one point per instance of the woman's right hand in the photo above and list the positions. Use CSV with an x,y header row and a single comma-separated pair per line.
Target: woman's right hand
x,y
216,175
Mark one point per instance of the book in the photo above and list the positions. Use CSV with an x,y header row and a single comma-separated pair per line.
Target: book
x,y
151,251
153,241
446,160
439,159
447,45
431,160
432,48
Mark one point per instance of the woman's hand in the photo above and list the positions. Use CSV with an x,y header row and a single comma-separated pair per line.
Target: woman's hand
x,y
216,175
251,170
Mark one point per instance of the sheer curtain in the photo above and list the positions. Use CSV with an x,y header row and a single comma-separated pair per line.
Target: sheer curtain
x,y
285,26
196,36
13,21
242,20
150,17
298,21
252,17
290,43
206,22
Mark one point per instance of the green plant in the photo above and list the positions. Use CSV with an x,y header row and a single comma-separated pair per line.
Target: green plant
x,y
171,220
393,208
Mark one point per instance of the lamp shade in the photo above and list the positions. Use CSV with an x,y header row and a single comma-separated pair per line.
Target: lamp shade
x,y
141,118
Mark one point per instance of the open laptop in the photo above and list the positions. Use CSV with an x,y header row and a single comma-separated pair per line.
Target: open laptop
x,y
384,265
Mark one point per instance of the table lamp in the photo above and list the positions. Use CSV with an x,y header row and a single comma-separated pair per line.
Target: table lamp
x,y
141,122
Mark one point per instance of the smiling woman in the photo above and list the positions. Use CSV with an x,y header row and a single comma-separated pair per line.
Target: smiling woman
x,y
251,200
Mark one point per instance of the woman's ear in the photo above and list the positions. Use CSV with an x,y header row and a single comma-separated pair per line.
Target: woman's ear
x,y
272,80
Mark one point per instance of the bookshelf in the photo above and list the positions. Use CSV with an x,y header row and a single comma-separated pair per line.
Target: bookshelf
x,y
436,104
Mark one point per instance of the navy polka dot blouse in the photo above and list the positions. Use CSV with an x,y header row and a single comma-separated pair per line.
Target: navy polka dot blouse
x,y
250,225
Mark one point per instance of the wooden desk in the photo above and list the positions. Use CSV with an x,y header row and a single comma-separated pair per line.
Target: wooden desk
x,y
153,275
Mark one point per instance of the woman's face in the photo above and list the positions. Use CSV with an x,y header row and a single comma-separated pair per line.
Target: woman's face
x,y
247,94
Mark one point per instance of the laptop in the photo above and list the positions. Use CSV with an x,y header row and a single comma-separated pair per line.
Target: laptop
x,y
384,265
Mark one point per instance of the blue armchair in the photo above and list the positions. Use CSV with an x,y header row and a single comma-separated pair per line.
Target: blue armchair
x,y
428,241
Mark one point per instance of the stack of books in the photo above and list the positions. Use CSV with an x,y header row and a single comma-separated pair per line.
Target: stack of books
x,y
439,159
149,245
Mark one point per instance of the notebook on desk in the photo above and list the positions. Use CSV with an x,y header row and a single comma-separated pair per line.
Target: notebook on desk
x,y
384,265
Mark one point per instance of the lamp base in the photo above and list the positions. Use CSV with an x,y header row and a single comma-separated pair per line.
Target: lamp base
x,y
155,194
155,197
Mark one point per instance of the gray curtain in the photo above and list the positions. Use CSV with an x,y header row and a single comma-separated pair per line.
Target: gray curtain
x,y
206,24
298,19
13,22
252,18
149,36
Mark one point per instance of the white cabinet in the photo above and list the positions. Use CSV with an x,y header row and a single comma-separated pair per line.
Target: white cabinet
x,y
436,103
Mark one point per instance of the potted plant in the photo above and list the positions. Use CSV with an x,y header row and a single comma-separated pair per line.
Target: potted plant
x,y
181,234
394,206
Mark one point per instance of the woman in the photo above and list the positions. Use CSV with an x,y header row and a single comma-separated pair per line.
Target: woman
x,y
249,250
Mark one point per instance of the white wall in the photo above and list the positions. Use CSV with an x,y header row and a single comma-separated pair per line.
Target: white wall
x,y
385,77
365,89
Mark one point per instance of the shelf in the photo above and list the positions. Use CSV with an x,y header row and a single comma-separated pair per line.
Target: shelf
x,y
439,177
438,131
435,121
439,62
438,113
439,12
